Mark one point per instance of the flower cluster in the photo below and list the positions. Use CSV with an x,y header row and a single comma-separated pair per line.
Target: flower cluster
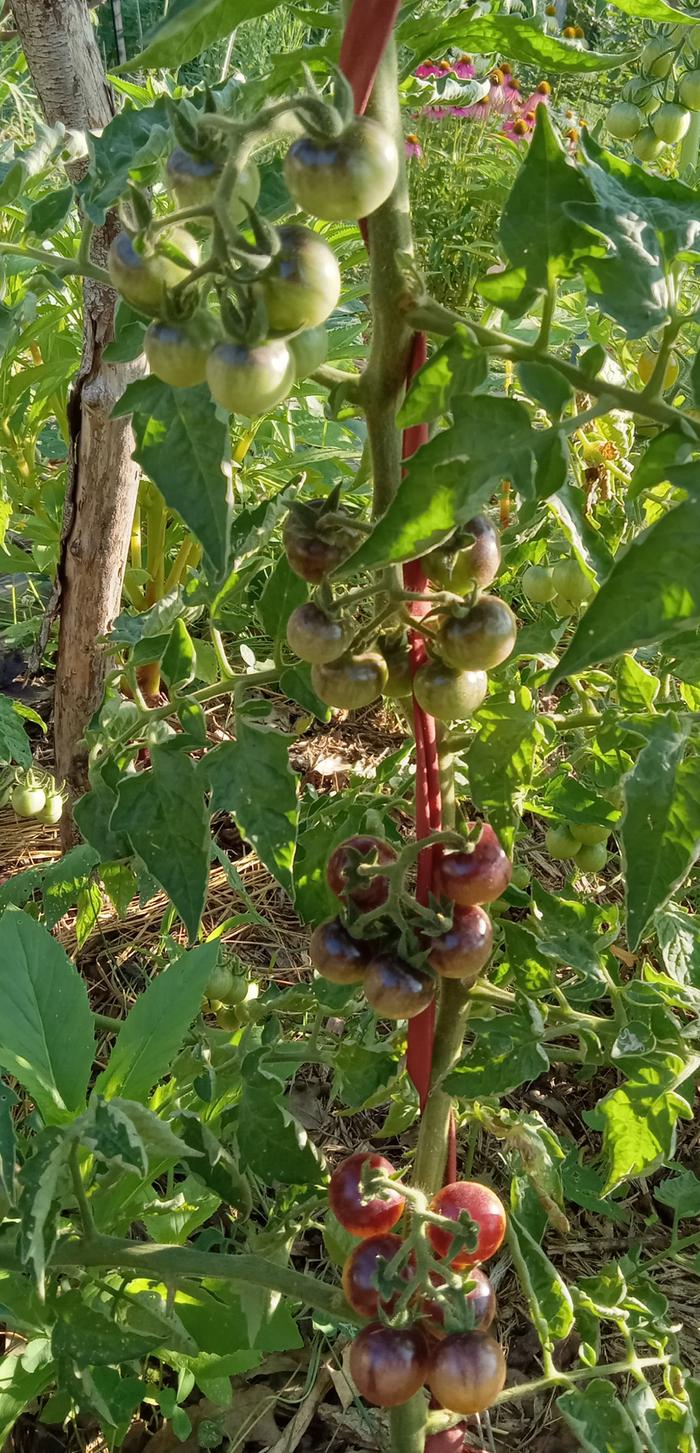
x,y
503,99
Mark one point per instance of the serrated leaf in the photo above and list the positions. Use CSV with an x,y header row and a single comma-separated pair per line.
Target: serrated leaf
x,y
284,590
156,1135
654,10
360,1071
637,688
19,1386
502,757
639,1120
127,147
660,831
252,779
598,1419
214,1164
680,1192
272,1143
457,367
652,591
47,214
537,230
190,27
63,881
113,1137
41,993
678,933
88,1337
120,886
43,1185
549,1297
156,1026
509,35
571,932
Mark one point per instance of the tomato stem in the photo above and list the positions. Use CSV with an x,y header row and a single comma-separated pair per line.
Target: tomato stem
x,y
408,1424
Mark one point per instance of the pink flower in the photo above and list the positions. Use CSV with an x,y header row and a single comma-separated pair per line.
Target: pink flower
x,y
435,113
428,68
413,146
465,69
519,128
538,98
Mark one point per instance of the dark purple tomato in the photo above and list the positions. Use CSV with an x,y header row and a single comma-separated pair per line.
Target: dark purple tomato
x,y
481,1300
450,1440
447,694
395,989
342,178
337,955
479,873
352,681
361,1272
314,636
313,550
361,1215
467,1371
471,557
343,879
462,951
481,639
302,284
484,1208
388,1364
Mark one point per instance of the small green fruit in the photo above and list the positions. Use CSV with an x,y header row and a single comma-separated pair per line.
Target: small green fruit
x,y
624,120
689,90
592,858
671,122
560,843
589,833
657,57
521,876
537,584
570,582
647,146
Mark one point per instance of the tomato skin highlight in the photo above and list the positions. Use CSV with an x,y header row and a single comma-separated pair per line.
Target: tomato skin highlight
x,y
388,1364
374,1217
467,1371
337,955
250,381
376,889
447,694
343,178
476,876
463,950
314,636
360,1275
395,989
482,639
484,1207
302,284
350,682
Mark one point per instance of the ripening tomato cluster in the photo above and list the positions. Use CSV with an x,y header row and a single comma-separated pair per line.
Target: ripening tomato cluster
x,y
562,585
584,842
34,794
465,639
465,1369
656,106
395,987
234,301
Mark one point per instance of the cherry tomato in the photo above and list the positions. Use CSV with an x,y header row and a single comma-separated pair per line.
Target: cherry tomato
x,y
462,951
342,178
395,989
302,284
313,548
537,584
458,565
343,879
481,639
467,1372
177,352
447,694
309,351
361,1272
142,278
193,182
477,874
351,681
589,833
592,858
560,842
398,660
481,1299
485,1209
388,1364
689,90
647,146
657,57
314,636
52,811
250,381
28,801
571,583
219,984
337,955
624,120
361,1215
647,363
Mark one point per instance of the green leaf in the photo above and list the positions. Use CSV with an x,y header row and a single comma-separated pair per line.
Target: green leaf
x,y
652,591
457,367
661,825
599,1420
572,932
43,1186
295,682
43,996
360,1071
654,10
8,1154
47,215
537,231
214,1164
504,1056
120,886
521,40
450,478
156,1026
681,1193
89,907
88,1337
63,881
164,816
639,1120
182,444
251,778
14,744
637,688
549,1298
129,333
501,759
272,1143
190,27
127,148
284,590
660,461
19,1386
112,1135
545,386
178,660
678,933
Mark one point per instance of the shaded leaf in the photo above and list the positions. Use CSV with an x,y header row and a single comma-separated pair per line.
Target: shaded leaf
x,y
164,816
252,779
598,1419
660,832
502,757
549,1297
457,367
190,27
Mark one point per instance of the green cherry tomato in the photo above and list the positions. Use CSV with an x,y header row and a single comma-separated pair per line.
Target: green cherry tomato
x,y
193,180
447,694
351,681
177,352
563,608
481,639
647,146
343,178
561,843
219,983
537,585
592,858
400,680
570,582
671,122
309,350
521,876
302,284
250,381
642,94
142,278
657,57
689,90
589,833
314,636
624,120
52,811
28,801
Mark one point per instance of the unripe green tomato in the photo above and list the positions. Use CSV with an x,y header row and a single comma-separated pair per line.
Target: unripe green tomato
x,y
52,811
563,608
250,381
647,146
571,583
624,120
193,180
219,983
309,350
689,90
400,679
671,122
642,94
28,801
521,876
657,57
177,352
302,284
560,843
647,363
537,584
447,694
589,833
142,278
592,859
232,1018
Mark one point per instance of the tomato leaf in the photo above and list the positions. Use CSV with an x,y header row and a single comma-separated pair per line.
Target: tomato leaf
x,y
457,367
660,831
164,817
156,1026
678,933
501,759
573,932
63,881
14,744
639,1118
284,590
652,591
654,10
41,1184
598,1419
41,992
20,1386
272,1143
129,147
549,1298
504,1056
509,35
251,778
190,27
182,444
537,230
92,1338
